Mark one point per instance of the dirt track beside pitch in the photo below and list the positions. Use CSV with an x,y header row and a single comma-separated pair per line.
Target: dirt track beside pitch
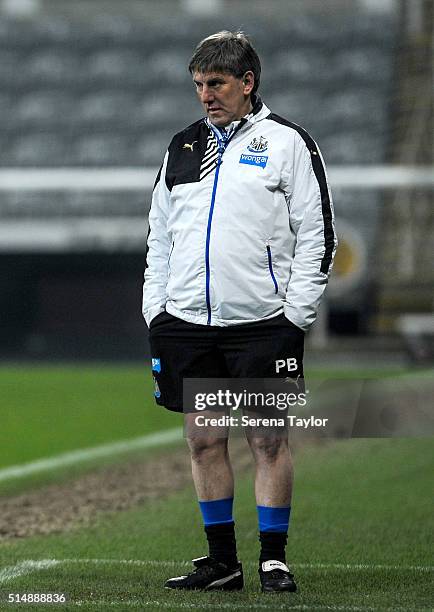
x,y
60,507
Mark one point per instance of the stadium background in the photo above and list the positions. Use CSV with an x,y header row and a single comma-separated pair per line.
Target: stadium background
x,y
102,84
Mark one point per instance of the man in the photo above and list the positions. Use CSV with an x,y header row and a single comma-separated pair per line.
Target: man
x,y
240,246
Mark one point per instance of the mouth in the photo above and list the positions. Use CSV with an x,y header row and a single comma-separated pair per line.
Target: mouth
x,y
213,109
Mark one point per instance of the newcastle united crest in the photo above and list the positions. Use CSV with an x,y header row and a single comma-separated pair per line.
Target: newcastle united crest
x,y
258,145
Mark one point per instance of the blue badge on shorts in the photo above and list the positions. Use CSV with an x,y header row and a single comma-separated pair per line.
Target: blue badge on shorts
x,y
254,160
157,391
156,365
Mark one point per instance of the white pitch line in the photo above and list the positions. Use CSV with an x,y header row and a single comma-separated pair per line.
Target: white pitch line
x,y
30,566
94,452
24,568
365,566
320,566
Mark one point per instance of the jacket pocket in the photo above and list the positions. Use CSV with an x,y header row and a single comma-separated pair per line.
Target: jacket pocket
x,y
161,319
270,269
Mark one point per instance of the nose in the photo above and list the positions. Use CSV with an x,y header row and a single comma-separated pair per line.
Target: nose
x,y
206,95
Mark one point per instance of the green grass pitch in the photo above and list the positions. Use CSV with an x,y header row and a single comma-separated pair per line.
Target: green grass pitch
x,y
47,410
360,533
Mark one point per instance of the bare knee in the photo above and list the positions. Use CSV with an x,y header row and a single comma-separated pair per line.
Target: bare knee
x,y
268,449
207,449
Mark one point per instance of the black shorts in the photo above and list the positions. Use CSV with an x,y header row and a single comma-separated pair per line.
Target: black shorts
x,y
264,349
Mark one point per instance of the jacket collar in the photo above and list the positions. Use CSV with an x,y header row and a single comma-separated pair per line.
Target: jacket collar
x,y
259,110
257,104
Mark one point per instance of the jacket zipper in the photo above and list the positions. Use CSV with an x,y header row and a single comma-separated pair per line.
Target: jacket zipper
x,y
270,267
222,144
221,148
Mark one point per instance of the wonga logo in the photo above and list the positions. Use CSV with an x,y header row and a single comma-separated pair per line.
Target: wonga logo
x,y
254,160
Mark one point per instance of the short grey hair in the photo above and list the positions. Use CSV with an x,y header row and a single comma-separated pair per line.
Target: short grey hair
x,y
227,52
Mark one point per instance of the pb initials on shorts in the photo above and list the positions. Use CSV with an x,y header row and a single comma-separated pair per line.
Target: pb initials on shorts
x,y
289,364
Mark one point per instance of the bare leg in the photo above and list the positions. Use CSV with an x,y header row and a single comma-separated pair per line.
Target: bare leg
x,y
213,480
274,470
210,464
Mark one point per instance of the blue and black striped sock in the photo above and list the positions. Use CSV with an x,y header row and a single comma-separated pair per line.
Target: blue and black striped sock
x,y
220,530
273,530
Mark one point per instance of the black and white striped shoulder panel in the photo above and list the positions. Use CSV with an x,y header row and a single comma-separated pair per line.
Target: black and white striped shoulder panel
x,y
209,159
319,171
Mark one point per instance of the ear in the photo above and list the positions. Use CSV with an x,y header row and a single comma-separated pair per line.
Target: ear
x,y
248,82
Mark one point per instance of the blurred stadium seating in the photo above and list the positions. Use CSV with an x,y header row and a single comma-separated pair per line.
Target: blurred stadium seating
x,y
78,92
86,87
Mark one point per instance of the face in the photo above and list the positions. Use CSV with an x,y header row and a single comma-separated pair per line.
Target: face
x,y
224,97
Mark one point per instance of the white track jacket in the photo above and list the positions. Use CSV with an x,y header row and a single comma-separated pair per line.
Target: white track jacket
x,y
241,225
